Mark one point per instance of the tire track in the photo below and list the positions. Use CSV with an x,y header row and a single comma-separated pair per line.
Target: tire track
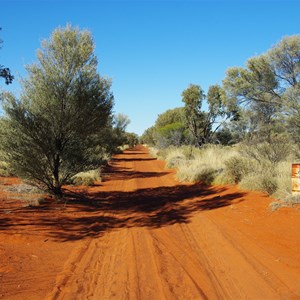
x,y
200,259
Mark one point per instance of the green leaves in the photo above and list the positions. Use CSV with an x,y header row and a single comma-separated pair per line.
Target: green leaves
x,y
61,115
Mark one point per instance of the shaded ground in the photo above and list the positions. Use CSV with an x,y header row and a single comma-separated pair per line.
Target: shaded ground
x,y
142,235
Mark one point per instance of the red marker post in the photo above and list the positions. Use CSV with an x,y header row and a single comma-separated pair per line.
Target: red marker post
x,y
296,178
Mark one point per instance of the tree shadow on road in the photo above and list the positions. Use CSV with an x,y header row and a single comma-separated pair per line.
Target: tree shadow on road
x,y
92,214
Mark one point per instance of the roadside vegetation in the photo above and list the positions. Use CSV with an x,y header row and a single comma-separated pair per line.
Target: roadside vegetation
x,y
249,133
62,128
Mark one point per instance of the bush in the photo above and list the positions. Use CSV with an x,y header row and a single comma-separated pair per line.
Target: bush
x,y
287,201
194,172
5,170
264,182
269,153
269,185
206,175
236,168
87,178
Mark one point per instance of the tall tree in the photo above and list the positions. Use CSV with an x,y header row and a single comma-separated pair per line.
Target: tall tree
x,y
193,97
54,130
270,83
203,124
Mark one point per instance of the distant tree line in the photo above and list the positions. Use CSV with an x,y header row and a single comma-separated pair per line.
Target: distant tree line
x,y
254,104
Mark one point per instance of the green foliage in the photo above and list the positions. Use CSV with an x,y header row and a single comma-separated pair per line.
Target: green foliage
x,y
170,134
203,125
132,139
116,135
4,169
87,178
193,97
225,137
236,168
269,153
171,116
261,180
207,176
269,85
56,128
269,185
148,137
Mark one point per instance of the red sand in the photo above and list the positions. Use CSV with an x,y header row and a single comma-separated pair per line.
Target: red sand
x,y
142,235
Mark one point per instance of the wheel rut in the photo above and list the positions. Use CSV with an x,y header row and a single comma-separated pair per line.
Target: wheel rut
x,y
166,244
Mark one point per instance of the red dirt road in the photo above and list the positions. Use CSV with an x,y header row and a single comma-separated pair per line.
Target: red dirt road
x,y
142,235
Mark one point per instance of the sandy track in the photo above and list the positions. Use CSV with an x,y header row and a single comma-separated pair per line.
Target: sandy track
x,y
142,235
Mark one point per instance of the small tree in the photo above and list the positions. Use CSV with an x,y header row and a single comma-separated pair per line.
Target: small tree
x,y
270,87
55,130
202,124
132,139
170,135
193,97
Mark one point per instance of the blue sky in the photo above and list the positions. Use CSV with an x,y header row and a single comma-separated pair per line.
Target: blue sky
x,y
152,50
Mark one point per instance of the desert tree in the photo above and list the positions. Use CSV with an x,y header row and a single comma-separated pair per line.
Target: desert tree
x,y
203,124
171,128
193,97
269,86
175,115
116,134
148,137
132,139
55,129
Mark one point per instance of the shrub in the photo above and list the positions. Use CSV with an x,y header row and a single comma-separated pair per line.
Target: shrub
x,y
192,172
175,161
236,168
5,170
269,185
264,182
87,178
287,201
206,175
269,153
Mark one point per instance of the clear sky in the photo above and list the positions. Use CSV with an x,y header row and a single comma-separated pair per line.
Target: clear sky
x,y
152,50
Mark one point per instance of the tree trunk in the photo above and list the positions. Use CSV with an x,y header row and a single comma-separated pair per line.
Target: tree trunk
x,y
57,184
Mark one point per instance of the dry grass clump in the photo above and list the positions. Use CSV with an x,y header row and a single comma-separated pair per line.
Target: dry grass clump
x,y
206,164
194,164
153,152
4,170
262,167
288,200
87,178
29,195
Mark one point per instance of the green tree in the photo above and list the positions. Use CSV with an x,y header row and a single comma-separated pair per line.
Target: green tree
x,y
204,124
132,139
175,115
148,137
170,128
116,135
270,86
193,97
55,129
170,135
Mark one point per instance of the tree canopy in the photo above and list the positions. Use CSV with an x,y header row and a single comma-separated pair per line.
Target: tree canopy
x,y
56,128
